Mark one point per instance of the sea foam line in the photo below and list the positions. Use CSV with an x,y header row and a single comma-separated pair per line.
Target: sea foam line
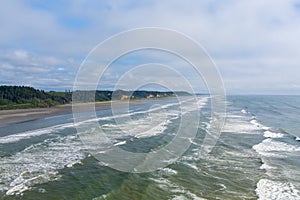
x,y
39,163
268,189
269,147
28,134
269,134
273,190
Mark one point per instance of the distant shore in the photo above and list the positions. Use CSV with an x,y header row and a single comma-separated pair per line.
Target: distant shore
x,y
24,97
8,117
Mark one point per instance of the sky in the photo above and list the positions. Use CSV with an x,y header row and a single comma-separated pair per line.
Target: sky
x,y
255,44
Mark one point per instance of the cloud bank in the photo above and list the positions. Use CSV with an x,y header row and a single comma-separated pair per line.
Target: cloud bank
x,y
254,43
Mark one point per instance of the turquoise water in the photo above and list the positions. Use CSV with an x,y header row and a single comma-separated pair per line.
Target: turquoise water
x,y
256,156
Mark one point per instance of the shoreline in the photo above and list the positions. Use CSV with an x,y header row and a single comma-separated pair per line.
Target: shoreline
x,y
10,117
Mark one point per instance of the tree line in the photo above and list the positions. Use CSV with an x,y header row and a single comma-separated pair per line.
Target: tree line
x,y
15,97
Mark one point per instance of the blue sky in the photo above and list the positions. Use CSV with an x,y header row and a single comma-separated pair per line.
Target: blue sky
x,y
255,44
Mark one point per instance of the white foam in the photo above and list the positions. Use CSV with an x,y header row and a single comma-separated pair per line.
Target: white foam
x,y
266,167
202,102
232,116
188,196
243,111
39,163
74,163
25,135
191,140
273,190
149,125
155,123
188,157
269,147
158,108
120,143
192,166
236,123
269,134
154,131
167,171
108,126
179,191
206,125
297,138
141,126
20,185
28,134
256,123
141,129
240,126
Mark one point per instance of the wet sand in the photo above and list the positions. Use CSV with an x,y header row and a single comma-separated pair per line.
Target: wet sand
x,y
8,117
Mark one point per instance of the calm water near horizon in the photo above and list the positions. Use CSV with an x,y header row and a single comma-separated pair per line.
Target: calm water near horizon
x,y
256,156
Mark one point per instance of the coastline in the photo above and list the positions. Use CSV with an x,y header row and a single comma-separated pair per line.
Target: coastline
x,y
9,117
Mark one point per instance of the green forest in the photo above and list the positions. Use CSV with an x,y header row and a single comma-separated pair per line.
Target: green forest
x,y
19,97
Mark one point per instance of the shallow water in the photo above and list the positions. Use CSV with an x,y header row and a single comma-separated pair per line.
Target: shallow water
x,y
256,156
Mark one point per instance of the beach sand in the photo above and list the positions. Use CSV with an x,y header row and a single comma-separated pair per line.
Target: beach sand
x,y
22,115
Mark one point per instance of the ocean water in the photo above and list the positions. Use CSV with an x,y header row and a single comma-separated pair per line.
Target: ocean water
x,y
256,157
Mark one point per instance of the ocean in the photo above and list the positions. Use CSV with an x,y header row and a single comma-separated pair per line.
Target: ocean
x,y
256,156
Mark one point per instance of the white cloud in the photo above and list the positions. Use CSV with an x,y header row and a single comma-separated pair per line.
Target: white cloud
x,y
19,67
248,40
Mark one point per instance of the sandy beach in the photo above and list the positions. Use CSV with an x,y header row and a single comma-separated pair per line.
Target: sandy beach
x,y
8,117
